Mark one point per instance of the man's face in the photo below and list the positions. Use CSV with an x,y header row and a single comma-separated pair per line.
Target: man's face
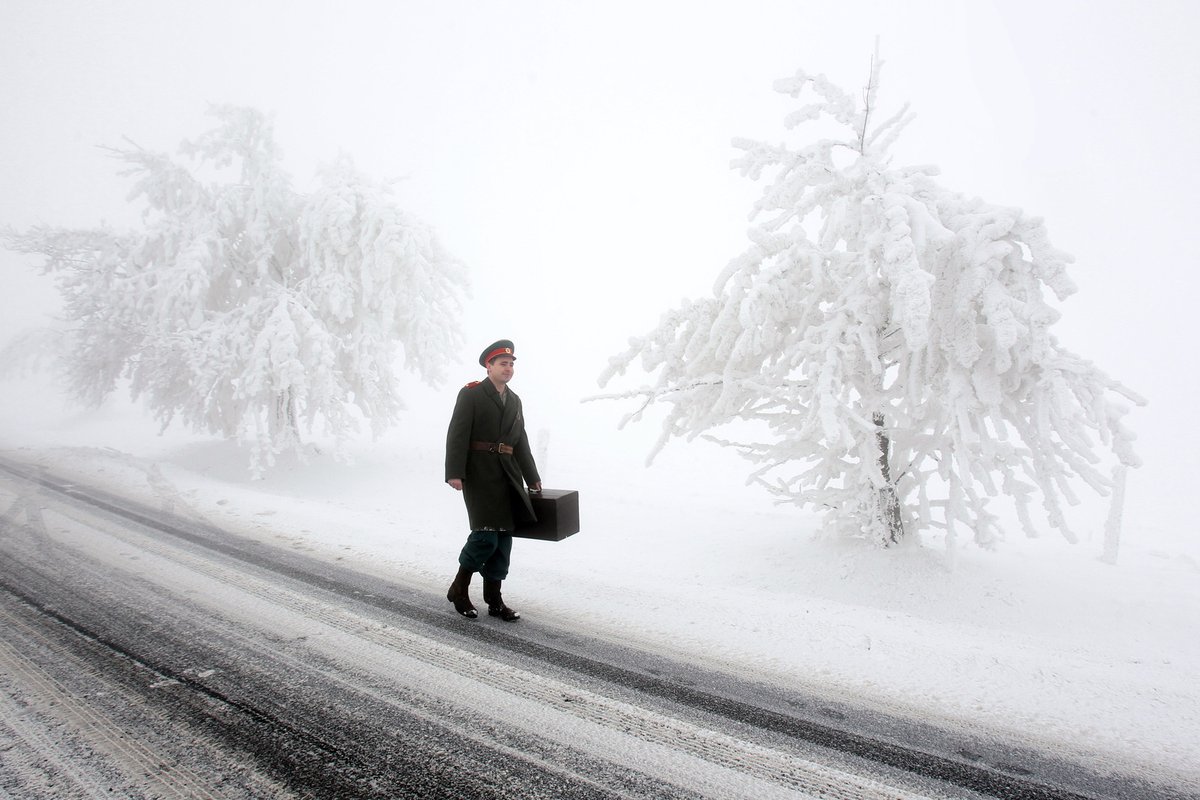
x,y
500,369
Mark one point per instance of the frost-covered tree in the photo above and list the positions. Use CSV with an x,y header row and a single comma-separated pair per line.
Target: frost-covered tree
x,y
887,340
245,307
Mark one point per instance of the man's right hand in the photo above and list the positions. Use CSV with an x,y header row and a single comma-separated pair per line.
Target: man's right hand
x,y
455,484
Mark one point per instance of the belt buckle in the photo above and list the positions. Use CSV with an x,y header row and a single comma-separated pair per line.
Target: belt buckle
x,y
493,448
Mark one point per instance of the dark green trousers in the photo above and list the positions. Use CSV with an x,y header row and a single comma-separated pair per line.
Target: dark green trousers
x,y
488,553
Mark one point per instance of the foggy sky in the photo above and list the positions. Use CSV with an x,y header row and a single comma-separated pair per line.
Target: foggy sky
x,y
576,155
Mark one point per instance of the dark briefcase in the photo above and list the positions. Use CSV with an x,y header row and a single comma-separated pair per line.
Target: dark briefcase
x,y
557,515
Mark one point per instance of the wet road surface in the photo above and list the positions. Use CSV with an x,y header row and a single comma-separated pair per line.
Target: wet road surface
x,y
143,654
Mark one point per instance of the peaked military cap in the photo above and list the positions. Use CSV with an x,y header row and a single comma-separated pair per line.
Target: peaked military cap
x,y
504,347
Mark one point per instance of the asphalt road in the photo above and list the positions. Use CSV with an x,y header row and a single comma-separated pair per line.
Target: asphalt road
x,y
143,654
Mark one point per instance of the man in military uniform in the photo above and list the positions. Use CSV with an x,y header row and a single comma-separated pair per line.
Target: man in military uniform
x,y
488,459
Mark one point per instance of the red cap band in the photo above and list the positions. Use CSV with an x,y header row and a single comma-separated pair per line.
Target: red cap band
x,y
501,351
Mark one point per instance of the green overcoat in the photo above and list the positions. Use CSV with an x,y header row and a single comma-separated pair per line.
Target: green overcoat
x,y
493,483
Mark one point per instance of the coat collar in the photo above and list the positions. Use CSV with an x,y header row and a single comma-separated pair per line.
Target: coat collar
x,y
508,409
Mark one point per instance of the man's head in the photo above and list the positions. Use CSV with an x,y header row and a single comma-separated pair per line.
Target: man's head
x,y
503,347
499,361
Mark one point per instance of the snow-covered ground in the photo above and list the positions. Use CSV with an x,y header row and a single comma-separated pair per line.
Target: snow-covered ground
x,y
1041,641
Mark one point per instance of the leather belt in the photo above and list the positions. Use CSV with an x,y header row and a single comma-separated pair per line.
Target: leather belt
x,y
493,447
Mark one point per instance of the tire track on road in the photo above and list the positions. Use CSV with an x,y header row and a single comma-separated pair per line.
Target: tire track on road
x,y
100,729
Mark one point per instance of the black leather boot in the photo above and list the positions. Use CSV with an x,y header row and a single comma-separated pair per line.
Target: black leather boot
x,y
458,593
496,607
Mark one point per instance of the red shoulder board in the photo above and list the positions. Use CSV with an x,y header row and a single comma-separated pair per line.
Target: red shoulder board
x,y
471,385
